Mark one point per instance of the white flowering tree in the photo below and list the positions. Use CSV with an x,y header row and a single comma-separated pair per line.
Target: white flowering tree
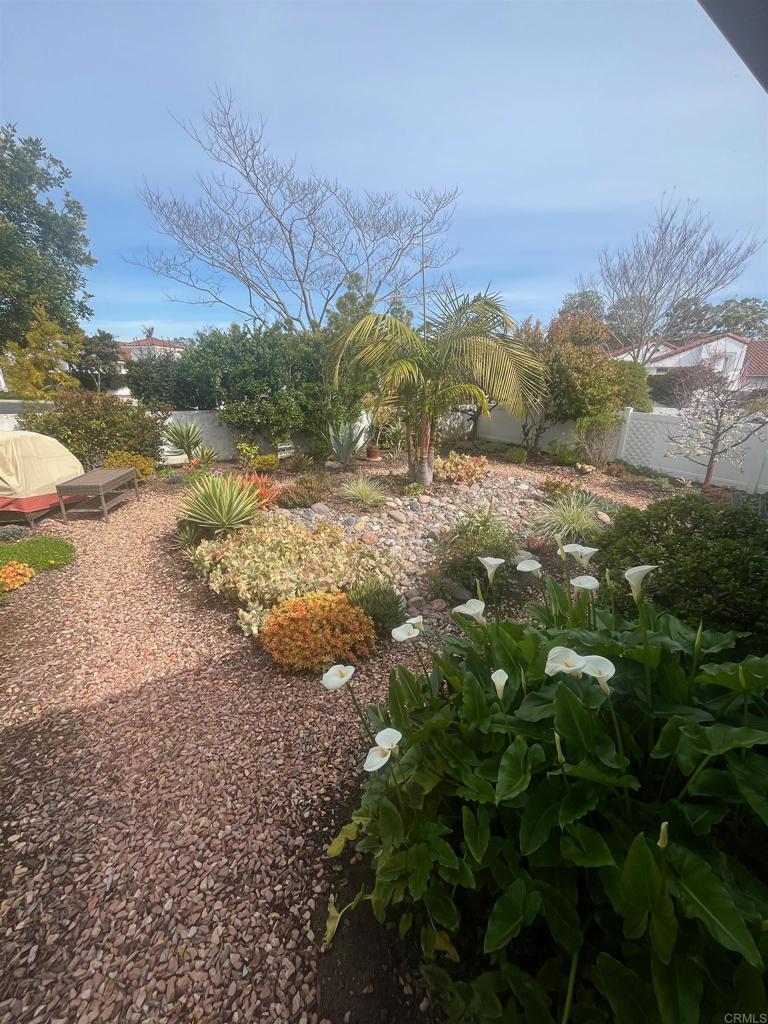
x,y
718,416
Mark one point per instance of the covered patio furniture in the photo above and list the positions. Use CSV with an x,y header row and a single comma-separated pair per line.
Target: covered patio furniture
x,y
31,466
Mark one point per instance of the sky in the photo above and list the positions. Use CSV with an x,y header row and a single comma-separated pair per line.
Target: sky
x,y
562,122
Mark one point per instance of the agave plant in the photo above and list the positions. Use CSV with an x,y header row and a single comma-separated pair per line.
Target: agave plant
x,y
220,504
346,440
184,438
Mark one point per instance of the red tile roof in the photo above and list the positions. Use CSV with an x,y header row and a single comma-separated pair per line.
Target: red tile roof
x,y
152,343
694,342
756,362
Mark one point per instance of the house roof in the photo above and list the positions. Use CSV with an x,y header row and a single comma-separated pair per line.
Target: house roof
x,y
756,361
687,343
152,342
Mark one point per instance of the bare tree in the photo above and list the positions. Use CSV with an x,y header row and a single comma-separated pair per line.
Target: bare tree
x,y
292,243
718,416
677,260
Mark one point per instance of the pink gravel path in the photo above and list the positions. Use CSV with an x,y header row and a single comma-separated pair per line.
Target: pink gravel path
x,y
163,794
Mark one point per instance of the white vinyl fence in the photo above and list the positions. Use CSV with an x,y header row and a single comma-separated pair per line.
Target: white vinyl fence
x,y
645,439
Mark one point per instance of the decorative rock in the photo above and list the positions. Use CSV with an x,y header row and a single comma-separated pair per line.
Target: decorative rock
x,y
369,538
604,517
321,508
399,517
438,605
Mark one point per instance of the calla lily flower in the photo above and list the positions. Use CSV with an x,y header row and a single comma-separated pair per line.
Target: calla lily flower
x,y
499,679
580,553
473,608
585,583
663,841
559,748
563,659
417,622
386,742
635,577
337,676
405,632
530,565
491,565
600,669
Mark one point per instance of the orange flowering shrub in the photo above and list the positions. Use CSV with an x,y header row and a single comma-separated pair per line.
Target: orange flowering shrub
x,y
311,633
461,469
266,489
14,575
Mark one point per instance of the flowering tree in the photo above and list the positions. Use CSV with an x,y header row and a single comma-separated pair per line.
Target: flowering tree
x,y
718,417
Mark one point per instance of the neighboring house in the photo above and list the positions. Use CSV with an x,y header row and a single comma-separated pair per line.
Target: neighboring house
x,y
128,351
741,359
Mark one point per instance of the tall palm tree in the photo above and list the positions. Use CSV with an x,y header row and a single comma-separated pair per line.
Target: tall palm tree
x,y
466,355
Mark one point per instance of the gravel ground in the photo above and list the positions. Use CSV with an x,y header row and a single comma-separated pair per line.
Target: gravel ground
x,y
164,794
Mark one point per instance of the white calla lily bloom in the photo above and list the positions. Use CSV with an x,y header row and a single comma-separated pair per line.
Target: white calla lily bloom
x,y
499,679
405,632
635,577
532,565
580,553
386,742
473,608
417,622
337,676
563,659
491,565
585,583
600,669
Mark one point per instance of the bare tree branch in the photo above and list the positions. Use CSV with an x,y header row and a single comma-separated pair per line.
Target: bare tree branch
x,y
677,260
292,243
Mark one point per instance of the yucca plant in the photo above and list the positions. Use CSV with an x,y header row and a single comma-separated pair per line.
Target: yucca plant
x,y
572,517
219,505
364,491
346,440
184,438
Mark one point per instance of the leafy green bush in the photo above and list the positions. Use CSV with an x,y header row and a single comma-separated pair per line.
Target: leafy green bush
x,y
365,491
40,553
571,516
381,602
145,468
477,533
570,818
253,459
713,560
91,424
217,505
278,558
307,489
516,455
414,490
564,454
184,438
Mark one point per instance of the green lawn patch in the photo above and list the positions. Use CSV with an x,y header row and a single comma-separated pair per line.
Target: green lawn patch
x,y
41,553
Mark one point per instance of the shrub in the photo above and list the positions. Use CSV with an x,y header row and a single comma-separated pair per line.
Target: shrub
x,y
91,424
477,533
564,454
554,486
596,437
515,454
307,489
184,439
250,454
219,505
263,485
568,850
414,490
278,558
713,560
614,469
13,532
145,468
14,575
461,469
381,602
311,633
364,491
41,553
571,516
299,462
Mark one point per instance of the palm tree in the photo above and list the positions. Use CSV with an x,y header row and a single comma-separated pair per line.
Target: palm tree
x,y
466,355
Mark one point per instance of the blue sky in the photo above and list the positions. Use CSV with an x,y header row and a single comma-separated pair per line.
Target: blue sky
x,y
562,122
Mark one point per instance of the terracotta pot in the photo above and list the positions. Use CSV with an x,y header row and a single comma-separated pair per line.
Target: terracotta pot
x,y
373,452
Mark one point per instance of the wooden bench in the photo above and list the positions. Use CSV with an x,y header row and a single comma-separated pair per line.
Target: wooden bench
x,y
100,490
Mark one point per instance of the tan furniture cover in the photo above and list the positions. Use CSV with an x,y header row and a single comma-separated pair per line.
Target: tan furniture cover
x,y
30,467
